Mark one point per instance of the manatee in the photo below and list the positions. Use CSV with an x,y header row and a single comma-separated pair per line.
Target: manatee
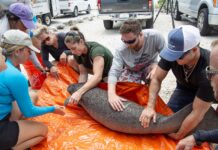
x,y
95,102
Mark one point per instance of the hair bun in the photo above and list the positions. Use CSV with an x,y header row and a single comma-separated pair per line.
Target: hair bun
x,y
74,29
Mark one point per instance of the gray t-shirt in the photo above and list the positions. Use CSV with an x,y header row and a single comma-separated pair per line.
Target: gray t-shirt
x,y
136,61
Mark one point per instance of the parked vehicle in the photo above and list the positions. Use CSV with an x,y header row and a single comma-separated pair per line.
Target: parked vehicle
x,y
120,10
45,10
74,7
204,12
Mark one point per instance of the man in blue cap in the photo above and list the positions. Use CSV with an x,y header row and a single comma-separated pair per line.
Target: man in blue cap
x,y
205,136
188,62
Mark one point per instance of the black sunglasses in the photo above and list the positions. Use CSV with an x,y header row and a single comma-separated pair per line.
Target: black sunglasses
x,y
184,54
130,41
210,72
46,39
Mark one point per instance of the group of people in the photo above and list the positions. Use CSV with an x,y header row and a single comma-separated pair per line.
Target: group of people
x,y
17,100
193,67
135,60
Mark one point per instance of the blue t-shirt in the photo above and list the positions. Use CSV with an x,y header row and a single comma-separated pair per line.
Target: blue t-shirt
x,y
14,86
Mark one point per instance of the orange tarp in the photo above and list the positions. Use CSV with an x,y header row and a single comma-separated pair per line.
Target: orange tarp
x,y
77,130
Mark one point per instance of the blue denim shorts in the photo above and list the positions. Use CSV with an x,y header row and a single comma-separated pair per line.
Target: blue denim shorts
x,y
180,98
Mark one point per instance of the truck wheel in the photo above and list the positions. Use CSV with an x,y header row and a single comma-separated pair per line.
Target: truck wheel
x,y
177,13
149,23
202,22
39,19
75,12
46,19
108,24
88,9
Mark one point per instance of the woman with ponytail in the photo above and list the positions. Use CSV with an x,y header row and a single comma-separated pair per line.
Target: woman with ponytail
x,y
92,58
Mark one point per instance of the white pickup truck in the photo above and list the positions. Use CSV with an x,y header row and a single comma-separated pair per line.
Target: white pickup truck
x,y
74,7
204,12
119,10
47,9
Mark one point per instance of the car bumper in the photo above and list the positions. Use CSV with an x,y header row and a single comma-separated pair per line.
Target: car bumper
x,y
213,20
66,11
125,16
213,17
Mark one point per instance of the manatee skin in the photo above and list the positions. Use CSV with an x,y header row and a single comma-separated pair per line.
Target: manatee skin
x,y
95,102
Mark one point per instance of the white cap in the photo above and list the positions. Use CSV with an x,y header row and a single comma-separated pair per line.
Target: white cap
x,y
180,40
18,37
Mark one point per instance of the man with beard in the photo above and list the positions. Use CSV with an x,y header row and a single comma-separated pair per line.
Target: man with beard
x,y
187,61
205,136
135,60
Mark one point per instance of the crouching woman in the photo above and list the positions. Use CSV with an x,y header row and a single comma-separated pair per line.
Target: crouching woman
x,y
92,58
17,133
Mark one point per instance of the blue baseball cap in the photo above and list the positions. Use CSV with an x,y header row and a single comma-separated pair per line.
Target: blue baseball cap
x,y
180,40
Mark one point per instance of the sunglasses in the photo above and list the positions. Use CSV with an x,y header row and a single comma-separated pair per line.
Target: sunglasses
x,y
184,54
130,41
210,72
46,39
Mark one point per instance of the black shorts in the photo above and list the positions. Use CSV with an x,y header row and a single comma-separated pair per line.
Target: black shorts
x,y
9,131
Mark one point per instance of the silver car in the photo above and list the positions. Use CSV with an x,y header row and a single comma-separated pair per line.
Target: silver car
x,y
205,12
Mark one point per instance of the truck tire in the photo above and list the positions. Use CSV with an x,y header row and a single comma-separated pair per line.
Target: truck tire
x,y
88,9
202,22
149,23
108,24
46,19
177,13
75,12
39,19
